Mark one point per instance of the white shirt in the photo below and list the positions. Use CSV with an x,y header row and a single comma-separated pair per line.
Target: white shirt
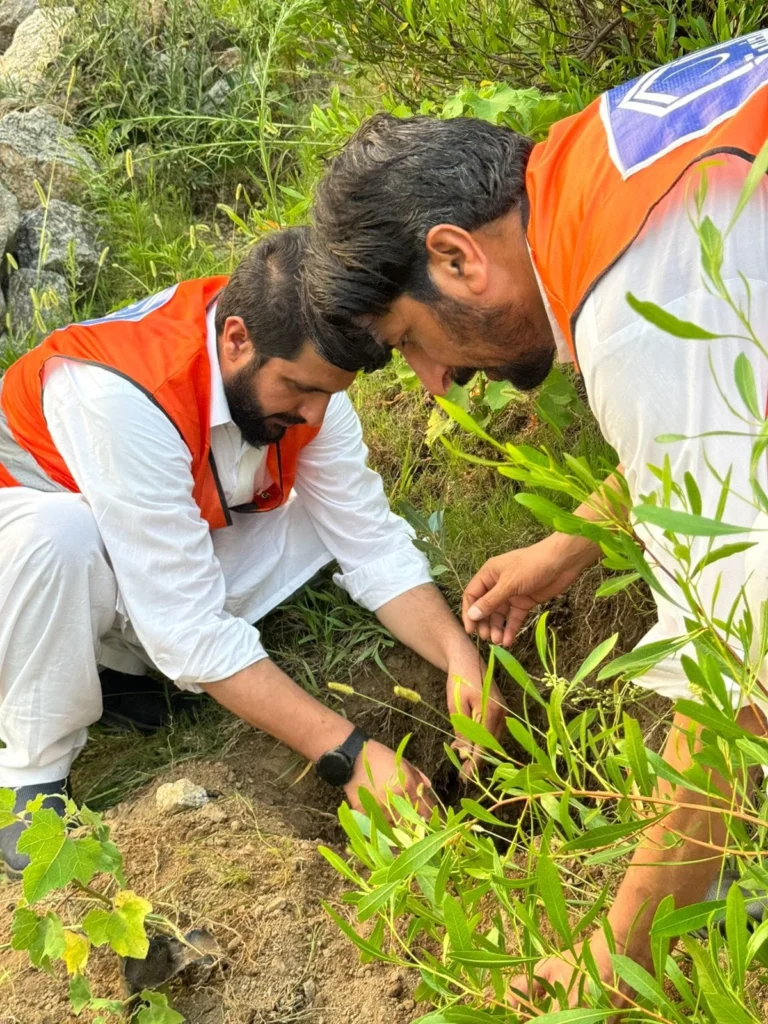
x,y
135,473
643,382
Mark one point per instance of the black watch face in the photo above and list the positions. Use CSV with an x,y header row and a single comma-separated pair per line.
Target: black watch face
x,y
335,767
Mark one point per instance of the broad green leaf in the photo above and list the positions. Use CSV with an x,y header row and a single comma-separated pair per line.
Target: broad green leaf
x,y
7,803
636,662
79,994
123,927
667,322
42,937
687,919
551,892
476,733
55,859
593,659
616,584
745,382
723,552
736,933
634,748
157,1010
76,949
684,522
421,853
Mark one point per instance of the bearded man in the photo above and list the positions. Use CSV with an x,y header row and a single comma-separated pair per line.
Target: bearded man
x,y
465,246
168,475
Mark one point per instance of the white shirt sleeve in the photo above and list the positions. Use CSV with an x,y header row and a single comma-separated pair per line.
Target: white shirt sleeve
x,y
347,504
643,383
134,470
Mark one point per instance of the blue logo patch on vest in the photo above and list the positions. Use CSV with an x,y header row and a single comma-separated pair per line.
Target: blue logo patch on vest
x,y
136,310
648,117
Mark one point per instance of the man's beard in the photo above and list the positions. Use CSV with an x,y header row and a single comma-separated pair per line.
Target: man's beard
x,y
247,412
507,331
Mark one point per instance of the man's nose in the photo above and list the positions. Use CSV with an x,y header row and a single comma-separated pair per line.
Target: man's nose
x,y
435,377
312,409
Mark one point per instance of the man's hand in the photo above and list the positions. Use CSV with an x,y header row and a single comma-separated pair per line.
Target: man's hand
x,y
377,771
498,598
464,693
564,970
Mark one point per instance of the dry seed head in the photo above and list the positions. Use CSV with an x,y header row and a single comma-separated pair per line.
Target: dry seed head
x,y
407,694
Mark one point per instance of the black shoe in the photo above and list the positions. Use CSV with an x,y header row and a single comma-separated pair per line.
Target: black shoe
x,y
13,861
140,702
755,901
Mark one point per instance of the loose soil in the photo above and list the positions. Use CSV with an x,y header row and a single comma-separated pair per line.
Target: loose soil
x,y
255,881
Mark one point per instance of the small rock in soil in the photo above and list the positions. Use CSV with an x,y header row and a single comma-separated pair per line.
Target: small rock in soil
x,y
234,944
275,905
236,825
182,795
407,1004
310,990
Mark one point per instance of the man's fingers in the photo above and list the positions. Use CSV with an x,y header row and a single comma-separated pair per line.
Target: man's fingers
x,y
496,621
483,582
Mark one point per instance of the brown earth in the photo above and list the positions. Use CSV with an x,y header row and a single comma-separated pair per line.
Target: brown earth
x,y
255,881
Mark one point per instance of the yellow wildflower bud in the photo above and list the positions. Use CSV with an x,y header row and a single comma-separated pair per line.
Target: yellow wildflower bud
x,y
342,688
406,694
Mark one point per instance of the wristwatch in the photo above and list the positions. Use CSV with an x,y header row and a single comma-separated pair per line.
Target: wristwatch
x,y
336,766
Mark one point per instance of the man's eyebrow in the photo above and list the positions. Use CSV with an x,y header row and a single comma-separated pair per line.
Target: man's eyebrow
x,y
310,387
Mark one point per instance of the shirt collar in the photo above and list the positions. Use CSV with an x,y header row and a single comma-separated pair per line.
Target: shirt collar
x,y
219,407
563,352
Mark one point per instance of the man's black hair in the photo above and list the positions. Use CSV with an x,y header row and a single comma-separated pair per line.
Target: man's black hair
x,y
394,180
265,290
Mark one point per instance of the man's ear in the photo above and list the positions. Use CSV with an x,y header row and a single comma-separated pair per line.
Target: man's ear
x,y
235,345
457,264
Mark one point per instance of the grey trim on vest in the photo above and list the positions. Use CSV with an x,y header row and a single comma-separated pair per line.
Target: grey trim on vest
x,y
19,463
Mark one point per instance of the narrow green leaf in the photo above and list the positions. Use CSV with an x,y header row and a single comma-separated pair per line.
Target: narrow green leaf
x,y
687,919
684,522
745,382
416,856
606,835
635,663
752,180
634,748
465,421
716,721
667,322
616,584
643,983
726,551
575,1017
484,958
456,924
365,947
736,933
551,892
373,901
595,657
693,492
518,673
727,1011
476,733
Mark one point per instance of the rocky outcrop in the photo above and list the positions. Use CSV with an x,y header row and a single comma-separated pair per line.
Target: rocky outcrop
x,y
38,303
36,44
12,14
35,147
10,217
60,238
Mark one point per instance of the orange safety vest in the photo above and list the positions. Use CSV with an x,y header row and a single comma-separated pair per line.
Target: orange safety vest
x,y
160,345
595,180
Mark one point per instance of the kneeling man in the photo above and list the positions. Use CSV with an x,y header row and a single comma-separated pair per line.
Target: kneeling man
x,y
168,475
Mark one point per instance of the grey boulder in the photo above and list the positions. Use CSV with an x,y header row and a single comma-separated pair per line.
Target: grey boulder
x,y
10,217
30,293
35,147
12,13
58,239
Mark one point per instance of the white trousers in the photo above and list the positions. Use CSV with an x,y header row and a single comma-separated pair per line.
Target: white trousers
x,y
60,619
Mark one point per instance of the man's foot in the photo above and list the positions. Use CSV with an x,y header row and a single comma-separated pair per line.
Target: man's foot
x,y
139,702
14,862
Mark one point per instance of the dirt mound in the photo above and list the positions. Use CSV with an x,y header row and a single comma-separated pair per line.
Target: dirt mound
x,y
246,868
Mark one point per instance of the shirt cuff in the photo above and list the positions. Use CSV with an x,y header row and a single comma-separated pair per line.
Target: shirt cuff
x,y
374,584
232,647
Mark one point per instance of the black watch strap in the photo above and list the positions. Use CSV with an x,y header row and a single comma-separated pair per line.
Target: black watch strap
x,y
354,743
